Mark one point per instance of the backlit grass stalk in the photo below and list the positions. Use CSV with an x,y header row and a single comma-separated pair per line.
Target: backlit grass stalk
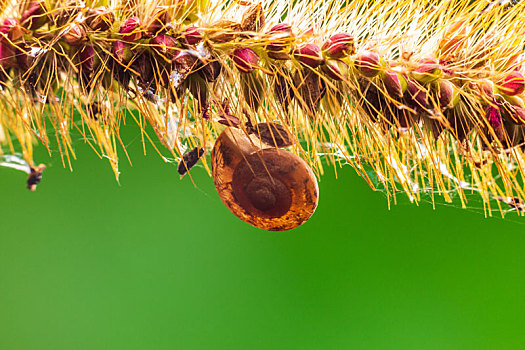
x,y
423,97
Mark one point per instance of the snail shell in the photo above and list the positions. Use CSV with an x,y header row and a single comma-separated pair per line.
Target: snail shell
x,y
269,188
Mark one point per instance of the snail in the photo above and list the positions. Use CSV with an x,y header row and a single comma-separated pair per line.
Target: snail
x,y
267,187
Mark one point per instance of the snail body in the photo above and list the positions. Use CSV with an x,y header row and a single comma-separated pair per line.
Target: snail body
x,y
267,187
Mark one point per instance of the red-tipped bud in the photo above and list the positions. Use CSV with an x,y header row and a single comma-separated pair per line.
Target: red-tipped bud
x,y
309,55
280,48
158,20
87,58
369,64
8,25
339,46
165,45
122,52
11,28
395,83
245,59
281,31
448,94
281,28
100,18
131,29
7,55
335,69
75,34
192,36
494,119
493,116
35,16
427,71
513,84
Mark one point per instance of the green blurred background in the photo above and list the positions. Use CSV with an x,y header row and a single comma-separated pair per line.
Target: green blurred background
x,y
156,263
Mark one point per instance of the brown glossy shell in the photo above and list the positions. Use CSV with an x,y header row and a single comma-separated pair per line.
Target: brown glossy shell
x,y
269,188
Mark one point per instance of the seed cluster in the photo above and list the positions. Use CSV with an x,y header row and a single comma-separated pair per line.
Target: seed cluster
x,y
429,116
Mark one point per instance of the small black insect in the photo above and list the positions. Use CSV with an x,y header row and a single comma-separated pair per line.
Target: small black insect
x,y
94,110
35,176
189,159
513,202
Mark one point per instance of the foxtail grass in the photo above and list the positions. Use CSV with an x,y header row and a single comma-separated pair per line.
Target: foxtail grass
x,y
425,98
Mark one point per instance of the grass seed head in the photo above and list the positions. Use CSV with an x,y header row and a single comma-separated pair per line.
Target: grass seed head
x,y
428,94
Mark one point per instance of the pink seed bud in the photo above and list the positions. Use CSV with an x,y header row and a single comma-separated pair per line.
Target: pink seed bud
x,y
131,29
7,25
335,69
395,83
75,34
281,27
513,84
281,36
165,45
369,63
427,71
339,46
35,16
448,94
245,59
87,58
309,55
11,28
7,55
122,52
493,116
192,36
